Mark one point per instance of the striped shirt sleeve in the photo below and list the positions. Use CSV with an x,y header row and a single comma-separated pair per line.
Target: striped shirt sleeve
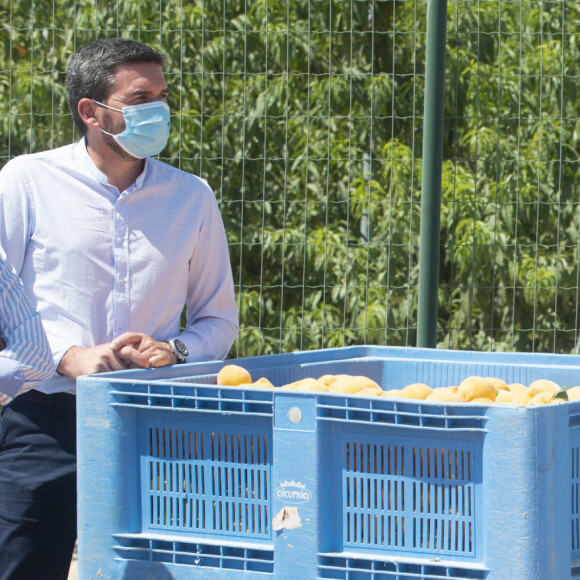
x,y
26,361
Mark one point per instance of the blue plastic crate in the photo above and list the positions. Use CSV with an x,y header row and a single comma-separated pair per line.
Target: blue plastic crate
x,y
179,478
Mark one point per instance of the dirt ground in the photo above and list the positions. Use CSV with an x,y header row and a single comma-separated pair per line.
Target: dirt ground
x,y
74,571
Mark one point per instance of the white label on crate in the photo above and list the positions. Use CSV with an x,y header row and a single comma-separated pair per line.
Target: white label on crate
x,y
293,492
287,518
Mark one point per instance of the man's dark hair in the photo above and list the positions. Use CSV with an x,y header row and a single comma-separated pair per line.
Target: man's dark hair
x,y
91,70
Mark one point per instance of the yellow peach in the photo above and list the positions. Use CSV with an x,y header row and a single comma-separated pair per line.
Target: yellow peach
x,y
310,384
351,384
543,386
499,384
443,394
233,375
416,391
263,382
573,393
504,396
391,393
476,387
542,398
371,391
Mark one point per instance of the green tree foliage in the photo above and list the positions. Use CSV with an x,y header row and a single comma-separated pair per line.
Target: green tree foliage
x,y
510,219
306,119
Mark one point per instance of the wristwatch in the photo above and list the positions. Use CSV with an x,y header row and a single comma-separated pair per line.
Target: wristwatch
x,y
179,350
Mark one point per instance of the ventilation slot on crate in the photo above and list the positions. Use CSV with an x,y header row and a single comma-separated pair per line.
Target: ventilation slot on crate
x,y
194,554
342,568
208,481
403,497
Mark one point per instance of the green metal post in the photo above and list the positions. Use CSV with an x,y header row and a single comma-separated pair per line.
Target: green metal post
x,y
429,236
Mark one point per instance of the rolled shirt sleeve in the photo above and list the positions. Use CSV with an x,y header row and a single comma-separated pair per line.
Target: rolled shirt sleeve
x,y
26,361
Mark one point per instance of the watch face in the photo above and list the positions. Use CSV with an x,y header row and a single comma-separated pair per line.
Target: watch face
x,y
180,347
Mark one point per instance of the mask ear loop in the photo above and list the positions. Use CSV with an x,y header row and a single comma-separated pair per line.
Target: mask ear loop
x,y
112,109
106,106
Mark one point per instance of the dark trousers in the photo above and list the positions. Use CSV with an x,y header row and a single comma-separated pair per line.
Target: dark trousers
x,y
37,486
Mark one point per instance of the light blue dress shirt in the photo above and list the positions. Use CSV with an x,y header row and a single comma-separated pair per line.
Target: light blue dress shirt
x,y
96,262
26,361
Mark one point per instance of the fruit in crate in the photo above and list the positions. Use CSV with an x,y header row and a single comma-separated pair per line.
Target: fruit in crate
x,y
370,391
308,384
499,384
504,396
353,384
416,391
543,386
329,379
443,394
262,382
521,395
476,387
473,389
233,376
392,393
542,398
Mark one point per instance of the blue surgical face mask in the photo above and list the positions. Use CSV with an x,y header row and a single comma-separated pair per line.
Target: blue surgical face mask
x,y
146,128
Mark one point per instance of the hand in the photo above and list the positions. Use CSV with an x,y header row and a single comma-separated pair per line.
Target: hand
x,y
79,361
133,347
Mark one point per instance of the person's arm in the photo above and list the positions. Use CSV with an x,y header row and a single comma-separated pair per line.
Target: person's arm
x,y
212,313
26,360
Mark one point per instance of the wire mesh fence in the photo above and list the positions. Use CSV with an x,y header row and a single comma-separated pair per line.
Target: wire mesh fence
x,y
306,119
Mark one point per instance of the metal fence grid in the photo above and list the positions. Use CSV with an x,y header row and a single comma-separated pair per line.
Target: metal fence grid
x,y
306,119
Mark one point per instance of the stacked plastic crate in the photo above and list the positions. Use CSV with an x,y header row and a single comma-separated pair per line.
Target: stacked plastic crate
x,y
180,478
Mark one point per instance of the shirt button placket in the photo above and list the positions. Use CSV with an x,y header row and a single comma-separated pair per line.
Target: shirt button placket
x,y
121,268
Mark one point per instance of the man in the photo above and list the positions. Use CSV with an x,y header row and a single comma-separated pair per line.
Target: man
x,y
25,357
110,244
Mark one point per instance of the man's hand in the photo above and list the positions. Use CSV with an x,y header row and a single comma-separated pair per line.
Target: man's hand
x,y
132,347
131,350
79,361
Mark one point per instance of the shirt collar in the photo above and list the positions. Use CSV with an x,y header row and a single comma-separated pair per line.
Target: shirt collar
x,y
81,150
141,178
85,158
